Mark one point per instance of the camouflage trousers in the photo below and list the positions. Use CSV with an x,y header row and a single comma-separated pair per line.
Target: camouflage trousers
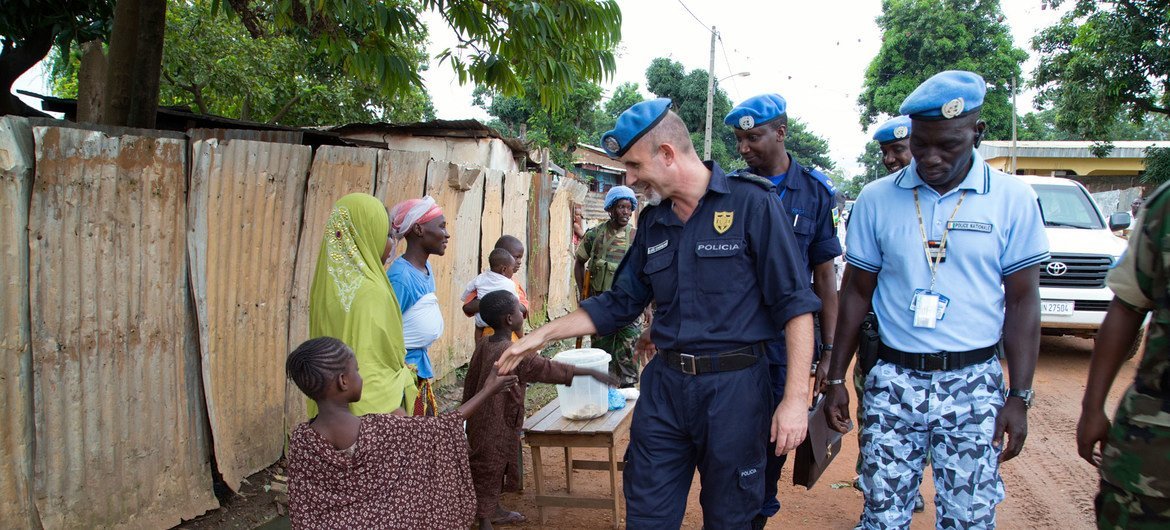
x,y
1118,508
620,346
949,416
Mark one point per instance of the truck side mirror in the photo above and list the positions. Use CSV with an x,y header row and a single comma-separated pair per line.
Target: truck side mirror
x,y
1120,221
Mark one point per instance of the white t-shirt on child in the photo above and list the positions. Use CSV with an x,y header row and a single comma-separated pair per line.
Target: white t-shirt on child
x,y
485,283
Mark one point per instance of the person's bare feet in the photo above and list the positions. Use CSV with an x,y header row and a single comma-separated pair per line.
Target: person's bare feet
x,y
506,517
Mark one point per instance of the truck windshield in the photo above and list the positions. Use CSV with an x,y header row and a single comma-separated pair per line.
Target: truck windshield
x,y
1067,206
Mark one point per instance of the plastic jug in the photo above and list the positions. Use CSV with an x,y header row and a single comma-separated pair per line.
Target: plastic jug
x,y
587,398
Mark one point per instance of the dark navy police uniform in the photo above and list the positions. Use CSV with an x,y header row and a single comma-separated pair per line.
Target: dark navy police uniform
x,y
807,197
723,282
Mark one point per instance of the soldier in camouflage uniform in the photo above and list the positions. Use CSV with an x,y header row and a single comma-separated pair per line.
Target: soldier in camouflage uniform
x,y
1134,459
601,251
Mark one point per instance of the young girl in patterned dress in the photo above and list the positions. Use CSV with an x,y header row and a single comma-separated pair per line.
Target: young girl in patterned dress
x,y
376,470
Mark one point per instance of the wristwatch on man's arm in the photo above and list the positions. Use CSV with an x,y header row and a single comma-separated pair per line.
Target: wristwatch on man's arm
x,y
1026,395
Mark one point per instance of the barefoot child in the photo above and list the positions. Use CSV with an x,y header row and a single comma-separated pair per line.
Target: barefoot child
x,y
494,434
377,470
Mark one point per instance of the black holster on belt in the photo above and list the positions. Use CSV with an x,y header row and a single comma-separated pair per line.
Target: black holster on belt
x,y
868,344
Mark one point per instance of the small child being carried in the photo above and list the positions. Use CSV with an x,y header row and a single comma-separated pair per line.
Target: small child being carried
x,y
377,470
498,278
494,433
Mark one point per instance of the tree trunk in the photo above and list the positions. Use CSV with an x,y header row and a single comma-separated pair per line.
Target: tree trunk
x,y
120,64
152,24
91,83
14,62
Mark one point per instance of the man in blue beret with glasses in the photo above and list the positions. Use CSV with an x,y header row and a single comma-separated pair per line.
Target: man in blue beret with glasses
x,y
760,124
946,251
724,272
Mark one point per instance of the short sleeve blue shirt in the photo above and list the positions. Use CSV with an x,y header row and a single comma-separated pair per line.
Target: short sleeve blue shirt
x,y
997,231
411,284
809,204
729,277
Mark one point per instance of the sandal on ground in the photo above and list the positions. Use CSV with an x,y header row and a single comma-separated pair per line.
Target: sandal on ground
x,y
509,518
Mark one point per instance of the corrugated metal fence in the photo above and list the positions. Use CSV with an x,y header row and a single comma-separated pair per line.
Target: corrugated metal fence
x,y
153,284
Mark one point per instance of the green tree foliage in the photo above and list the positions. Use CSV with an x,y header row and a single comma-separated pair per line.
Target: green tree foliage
x,y
1042,125
668,79
1105,60
501,42
213,65
1157,165
30,28
559,129
923,37
605,117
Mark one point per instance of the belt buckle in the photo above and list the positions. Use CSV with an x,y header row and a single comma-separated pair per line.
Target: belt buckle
x,y
683,360
939,362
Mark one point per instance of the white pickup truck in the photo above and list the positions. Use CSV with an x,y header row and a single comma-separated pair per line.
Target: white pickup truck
x,y
1073,295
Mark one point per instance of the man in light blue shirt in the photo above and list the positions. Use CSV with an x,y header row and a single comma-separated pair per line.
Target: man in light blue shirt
x,y
947,250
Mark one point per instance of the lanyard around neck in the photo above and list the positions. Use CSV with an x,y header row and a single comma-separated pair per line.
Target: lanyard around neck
x,y
942,246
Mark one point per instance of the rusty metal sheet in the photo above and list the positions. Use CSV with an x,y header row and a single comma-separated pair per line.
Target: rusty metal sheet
x,y
245,207
516,188
458,266
561,298
119,421
539,200
493,212
336,172
401,175
17,509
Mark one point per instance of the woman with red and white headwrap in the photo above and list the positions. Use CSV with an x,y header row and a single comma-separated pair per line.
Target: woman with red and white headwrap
x,y
421,223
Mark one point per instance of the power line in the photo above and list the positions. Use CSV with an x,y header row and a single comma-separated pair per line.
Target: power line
x,y
730,70
693,15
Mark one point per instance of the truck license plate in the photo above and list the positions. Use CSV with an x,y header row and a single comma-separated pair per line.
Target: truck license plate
x,y
1056,307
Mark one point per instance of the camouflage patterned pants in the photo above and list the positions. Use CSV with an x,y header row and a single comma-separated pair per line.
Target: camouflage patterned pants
x,y
951,416
1118,508
620,346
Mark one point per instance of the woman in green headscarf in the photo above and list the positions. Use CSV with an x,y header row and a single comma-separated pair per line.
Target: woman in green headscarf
x,y
352,300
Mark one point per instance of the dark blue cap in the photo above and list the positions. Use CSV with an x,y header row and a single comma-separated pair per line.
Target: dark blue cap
x,y
945,95
632,124
893,130
756,111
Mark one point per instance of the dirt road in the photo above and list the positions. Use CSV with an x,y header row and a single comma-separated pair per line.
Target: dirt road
x,y
1048,486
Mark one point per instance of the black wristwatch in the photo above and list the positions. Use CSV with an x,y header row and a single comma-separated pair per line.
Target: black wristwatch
x,y
1026,395
826,347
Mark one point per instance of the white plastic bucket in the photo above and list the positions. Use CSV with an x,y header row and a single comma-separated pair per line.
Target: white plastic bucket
x,y
587,398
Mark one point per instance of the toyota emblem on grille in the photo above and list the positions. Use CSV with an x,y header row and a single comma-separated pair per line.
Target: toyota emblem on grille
x,y
1057,268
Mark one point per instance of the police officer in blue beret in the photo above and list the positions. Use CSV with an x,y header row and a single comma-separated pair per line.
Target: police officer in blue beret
x,y
723,270
946,251
761,127
893,138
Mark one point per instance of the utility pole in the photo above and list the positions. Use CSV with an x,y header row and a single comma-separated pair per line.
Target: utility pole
x,y
1013,125
710,98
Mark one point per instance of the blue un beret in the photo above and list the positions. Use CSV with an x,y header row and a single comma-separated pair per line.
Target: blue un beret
x,y
945,95
756,111
632,124
893,130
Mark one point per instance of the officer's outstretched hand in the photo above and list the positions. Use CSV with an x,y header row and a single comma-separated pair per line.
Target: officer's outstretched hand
x,y
837,408
789,425
1013,420
526,347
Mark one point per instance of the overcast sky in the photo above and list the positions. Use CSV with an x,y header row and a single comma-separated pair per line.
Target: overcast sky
x,y
812,53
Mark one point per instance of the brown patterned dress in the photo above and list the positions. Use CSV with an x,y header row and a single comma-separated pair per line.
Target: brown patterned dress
x,y
493,432
402,473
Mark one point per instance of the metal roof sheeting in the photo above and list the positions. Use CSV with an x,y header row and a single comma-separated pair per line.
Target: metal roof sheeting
x,y
246,207
16,416
119,423
1063,149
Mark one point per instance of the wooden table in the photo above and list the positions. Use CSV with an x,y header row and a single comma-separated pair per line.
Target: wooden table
x,y
547,428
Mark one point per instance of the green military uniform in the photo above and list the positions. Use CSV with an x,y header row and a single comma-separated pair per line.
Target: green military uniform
x,y
603,249
1135,464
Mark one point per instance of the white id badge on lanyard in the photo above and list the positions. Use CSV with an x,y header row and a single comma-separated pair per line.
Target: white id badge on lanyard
x,y
926,310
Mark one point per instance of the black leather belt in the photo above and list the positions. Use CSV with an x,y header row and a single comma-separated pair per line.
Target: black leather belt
x,y
695,364
938,361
